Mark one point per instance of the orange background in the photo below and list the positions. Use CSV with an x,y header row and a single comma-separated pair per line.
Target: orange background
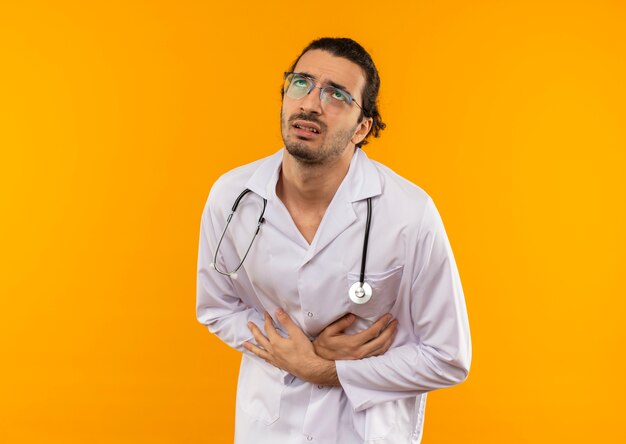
x,y
117,116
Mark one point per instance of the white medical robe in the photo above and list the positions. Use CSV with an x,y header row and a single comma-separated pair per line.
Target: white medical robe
x,y
410,267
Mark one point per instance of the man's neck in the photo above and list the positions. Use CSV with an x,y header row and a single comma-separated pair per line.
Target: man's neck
x,y
311,187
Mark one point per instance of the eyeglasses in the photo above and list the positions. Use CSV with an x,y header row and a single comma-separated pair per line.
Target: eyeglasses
x,y
298,85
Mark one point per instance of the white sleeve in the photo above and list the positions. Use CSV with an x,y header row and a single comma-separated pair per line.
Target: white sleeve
x,y
217,305
442,354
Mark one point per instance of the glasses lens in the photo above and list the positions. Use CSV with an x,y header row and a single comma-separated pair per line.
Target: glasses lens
x,y
297,86
335,97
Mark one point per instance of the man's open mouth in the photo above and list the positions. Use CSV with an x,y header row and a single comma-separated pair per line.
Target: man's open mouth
x,y
308,127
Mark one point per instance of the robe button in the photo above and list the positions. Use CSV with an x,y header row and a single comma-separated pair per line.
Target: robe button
x,y
309,314
309,438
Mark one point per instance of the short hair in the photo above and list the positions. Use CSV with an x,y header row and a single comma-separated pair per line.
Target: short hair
x,y
351,50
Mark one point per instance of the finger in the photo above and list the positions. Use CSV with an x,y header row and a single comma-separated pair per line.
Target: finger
x,y
257,351
388,332
374,330
378,352
386,337
340,325
259,337
382,343
292,329
270,330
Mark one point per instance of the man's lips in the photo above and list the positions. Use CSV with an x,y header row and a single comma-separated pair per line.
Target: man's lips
x,y
306,127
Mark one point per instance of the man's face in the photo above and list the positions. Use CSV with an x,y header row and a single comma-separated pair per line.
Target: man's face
x,y
336,128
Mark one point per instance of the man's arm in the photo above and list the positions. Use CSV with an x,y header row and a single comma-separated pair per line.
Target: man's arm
x,y
440,358
313,363
441,355
217,305
334,344
294,353
225,315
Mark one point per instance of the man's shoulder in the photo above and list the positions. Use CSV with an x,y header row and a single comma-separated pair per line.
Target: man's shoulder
x,y
402,196
229,185
238,176
400,187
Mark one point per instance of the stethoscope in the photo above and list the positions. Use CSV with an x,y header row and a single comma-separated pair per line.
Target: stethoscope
x,y
360,292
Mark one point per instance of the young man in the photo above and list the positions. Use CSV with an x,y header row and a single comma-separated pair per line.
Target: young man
x,y
334,276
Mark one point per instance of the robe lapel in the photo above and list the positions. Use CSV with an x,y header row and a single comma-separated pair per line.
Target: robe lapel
x,y
361,182
339,216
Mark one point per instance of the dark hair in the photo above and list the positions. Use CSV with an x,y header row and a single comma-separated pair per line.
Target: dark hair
x,y
351,50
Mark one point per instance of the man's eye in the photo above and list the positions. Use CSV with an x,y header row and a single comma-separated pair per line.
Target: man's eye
x,y
338,94
299,83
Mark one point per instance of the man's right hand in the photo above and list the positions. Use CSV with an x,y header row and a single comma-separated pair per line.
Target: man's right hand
x,y
333,344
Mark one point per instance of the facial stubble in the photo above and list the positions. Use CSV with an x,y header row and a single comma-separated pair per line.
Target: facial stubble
x,y
334,144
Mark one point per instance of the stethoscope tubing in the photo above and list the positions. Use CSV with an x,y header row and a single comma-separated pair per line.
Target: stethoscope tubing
x,y
359,294
366,240
230,216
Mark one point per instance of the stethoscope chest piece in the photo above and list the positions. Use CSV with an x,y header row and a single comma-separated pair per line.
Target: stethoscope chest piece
x,y
360,293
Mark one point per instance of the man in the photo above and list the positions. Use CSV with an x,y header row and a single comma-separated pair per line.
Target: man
x,y
347,304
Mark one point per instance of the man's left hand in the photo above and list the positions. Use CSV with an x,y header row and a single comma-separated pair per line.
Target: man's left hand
x,y
294,354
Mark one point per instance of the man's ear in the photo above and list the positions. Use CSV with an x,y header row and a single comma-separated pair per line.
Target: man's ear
x,y
362,130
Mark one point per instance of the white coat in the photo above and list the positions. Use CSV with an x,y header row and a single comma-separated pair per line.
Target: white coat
x,y
410,267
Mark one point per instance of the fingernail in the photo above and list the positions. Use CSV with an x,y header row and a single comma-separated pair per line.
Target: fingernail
x,y
280,312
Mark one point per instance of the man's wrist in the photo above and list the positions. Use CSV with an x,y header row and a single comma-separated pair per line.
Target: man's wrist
x,y
322,372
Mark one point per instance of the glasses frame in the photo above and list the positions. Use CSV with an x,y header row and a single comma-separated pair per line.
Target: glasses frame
x,y
321,88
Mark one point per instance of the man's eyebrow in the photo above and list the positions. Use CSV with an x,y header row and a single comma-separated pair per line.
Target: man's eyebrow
x,y
330,82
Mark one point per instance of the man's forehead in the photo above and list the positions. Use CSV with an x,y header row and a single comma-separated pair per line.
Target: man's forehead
x,y
325,67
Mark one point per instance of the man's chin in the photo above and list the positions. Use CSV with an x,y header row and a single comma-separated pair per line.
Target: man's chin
x,y
303,154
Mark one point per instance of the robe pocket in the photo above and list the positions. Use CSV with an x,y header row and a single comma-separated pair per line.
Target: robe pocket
x,y
385,287
259,390
379,420
374,424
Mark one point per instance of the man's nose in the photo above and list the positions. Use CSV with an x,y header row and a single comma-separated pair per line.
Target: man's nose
x,y
311,102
